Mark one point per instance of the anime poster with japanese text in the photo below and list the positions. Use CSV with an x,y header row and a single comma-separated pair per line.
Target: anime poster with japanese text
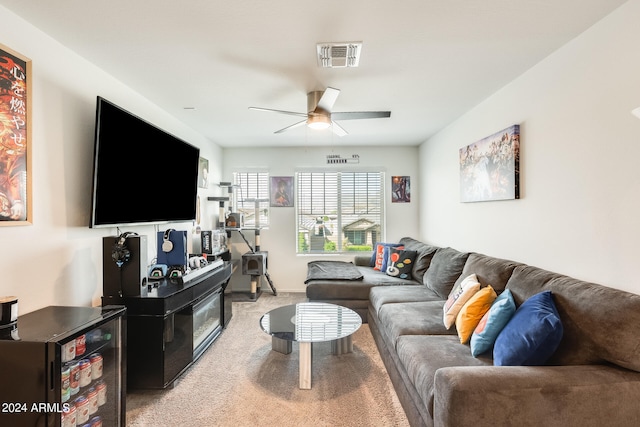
x,y
15,185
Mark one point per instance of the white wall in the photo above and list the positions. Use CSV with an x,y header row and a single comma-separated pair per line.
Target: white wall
x,y
580,146
58,259
287,269
579,182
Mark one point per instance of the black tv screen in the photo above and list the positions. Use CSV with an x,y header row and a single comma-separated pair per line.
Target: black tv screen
x,y
141,174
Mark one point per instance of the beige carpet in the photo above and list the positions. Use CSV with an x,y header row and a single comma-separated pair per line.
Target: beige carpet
x,y
239,381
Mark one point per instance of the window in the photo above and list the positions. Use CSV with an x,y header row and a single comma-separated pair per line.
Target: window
x,y
251,194
339,211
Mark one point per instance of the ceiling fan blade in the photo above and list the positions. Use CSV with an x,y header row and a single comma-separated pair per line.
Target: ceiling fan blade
x,y
270,110
337,129
328,98
295,125
356,115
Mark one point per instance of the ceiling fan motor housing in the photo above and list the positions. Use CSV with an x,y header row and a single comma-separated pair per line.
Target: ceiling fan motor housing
x,y
312,102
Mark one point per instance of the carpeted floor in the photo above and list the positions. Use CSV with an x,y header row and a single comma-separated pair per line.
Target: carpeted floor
x,y
239,381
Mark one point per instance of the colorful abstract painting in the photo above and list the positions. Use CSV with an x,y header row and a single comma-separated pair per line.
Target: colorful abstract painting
x,y
490,168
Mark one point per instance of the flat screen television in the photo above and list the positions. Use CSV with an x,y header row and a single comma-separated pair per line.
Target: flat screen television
x,y
141,174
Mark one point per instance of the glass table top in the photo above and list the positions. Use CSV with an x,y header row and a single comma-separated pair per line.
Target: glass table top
x,y
311,322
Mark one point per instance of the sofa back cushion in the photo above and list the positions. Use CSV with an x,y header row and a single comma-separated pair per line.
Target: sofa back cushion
x,y
598,321
489,270
445,269
424,256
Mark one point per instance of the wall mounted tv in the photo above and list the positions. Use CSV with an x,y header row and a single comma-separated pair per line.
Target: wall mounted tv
x,y
141,174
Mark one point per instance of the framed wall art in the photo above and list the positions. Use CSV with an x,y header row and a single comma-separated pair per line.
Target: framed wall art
x,y
15,138
400,189
490,167
203,173
281,191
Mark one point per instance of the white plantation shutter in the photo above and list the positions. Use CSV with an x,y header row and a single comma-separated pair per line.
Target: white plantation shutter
x,y
252,186
327,202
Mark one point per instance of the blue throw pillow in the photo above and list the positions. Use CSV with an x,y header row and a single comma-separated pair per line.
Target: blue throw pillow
x,y
532,335
491,324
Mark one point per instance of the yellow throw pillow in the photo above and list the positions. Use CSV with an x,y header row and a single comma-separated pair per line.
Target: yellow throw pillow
x,y
459,295
472,311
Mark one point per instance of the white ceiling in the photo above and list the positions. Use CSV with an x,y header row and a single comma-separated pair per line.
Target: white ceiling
x,y
427,61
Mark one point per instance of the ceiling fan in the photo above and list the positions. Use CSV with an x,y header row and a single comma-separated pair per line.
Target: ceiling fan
x,y
320,114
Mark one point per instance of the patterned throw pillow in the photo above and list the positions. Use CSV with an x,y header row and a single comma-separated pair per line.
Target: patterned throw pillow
x,y
374,254
532,335
459,295
492,323
400,262
382,255
473,310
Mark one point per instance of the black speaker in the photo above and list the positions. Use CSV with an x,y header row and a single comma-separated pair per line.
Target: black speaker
x,y
124,275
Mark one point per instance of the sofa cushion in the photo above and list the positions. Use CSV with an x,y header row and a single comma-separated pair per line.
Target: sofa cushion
x,y
492,323
526,281
412,318
458,297
423,355
473,310
400,262
592,332
489,270
445,268
532,335
423,259
380,295
596,323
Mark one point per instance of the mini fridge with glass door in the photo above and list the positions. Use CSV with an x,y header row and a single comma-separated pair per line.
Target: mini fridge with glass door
x,y
64,366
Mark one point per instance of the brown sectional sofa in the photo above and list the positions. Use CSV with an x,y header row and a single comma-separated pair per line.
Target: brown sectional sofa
x,y
592,379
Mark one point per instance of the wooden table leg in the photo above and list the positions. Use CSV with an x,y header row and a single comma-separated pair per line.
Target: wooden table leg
x,y
305,365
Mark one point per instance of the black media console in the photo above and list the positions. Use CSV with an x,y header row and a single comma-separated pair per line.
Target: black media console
x,y
171,324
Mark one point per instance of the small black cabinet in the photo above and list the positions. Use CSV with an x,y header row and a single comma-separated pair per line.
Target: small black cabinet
x,y
47,346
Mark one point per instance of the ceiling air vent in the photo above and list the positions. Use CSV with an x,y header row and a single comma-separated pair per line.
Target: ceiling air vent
x,y
339,55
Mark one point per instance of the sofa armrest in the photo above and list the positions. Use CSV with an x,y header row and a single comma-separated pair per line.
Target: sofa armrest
x,y
362,260
594,395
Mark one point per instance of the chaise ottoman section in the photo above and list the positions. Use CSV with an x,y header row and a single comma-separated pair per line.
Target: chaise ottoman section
x,y
353,294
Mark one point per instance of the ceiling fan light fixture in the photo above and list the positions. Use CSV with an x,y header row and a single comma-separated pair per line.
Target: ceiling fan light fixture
x,y
318,122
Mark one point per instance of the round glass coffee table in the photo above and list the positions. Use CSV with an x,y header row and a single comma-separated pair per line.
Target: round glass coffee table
x,y
310,322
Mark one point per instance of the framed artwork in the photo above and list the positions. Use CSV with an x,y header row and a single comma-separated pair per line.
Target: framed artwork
x,y
400,189
203,173
15,138
490,168
281,194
